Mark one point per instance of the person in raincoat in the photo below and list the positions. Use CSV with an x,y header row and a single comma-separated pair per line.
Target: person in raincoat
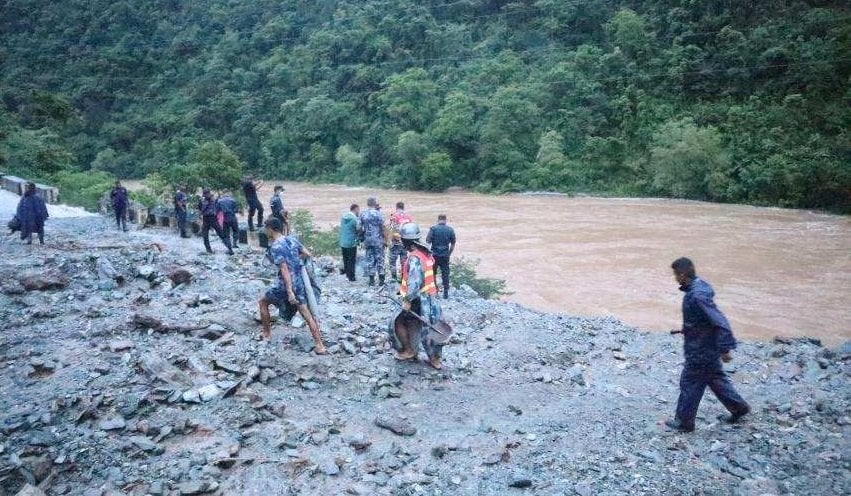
x,y
31,213
707,341
418,292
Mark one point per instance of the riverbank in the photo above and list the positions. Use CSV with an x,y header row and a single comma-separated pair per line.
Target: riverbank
x,y
128,385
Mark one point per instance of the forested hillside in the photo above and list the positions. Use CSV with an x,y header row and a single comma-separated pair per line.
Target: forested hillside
x,y
723,100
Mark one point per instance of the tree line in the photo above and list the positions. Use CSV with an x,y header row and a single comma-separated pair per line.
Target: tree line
x,y
724,101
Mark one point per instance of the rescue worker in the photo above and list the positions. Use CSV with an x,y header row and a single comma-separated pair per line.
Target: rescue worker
x,y
707,341
120,200
180,201
31,212
349,240
277,204
207,209
374,240
417,290
441,237
249,188
286,253
230,226
397,250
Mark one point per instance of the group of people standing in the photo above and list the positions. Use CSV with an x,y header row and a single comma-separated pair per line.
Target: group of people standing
x,y
412,263
368,229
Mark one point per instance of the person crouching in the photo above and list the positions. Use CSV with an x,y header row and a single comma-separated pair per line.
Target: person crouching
x,y
286,253
418,291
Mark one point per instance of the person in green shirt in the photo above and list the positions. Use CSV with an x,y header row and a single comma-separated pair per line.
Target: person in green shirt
x,y
349,240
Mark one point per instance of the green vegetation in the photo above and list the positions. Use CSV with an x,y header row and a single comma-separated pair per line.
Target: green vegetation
x,y
463,271
717,100
317,241
82,188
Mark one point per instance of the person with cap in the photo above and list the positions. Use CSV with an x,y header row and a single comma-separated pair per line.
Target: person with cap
x,y
286,252
120,200
707,341
441,237
180,201
374,240
249,188
31,213
349,240
230,226
418,291
277,204
397,250
207,209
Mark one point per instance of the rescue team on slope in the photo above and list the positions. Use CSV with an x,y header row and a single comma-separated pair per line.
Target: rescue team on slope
x,y
707,335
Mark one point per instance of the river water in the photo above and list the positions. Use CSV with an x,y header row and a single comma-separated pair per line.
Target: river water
x,y
775,271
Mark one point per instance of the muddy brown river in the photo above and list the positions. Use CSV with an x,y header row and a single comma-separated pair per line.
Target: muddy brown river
x,y
775,271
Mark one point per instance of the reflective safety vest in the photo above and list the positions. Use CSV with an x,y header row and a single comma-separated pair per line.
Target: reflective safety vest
x,y
427,263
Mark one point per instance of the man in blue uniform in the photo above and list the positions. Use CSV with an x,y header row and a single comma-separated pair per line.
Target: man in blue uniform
x,y
207,209
277,204
120,200
180,200
249,188
286,253
374,240
228,207
708,340
441,236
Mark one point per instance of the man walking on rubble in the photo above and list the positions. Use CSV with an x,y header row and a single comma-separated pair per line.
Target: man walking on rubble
x,y
374,240
707,341
230,226
418,291
286,253
249,188
180,201
207,209
397,250
120,200
441,237
349,240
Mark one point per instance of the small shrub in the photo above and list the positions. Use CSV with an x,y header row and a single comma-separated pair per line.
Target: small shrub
x,y
317,241
83,189
463,271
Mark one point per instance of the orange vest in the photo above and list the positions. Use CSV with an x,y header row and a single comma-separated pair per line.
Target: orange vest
x,y
427,262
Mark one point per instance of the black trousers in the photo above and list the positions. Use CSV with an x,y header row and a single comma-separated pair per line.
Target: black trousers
x,y
693,382
121,217
349,257
181,221
231,230
207,222
254,205
442,263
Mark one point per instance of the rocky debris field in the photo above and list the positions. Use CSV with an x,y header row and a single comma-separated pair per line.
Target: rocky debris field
x,y
130,367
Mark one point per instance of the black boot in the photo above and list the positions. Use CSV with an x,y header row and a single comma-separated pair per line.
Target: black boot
x,y
372,280
381,280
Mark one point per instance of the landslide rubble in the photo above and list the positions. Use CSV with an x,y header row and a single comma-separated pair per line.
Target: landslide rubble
x,y
130,367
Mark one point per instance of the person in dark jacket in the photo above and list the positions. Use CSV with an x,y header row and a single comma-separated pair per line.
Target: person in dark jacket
x,y
120,200
277,204
180,200
228,207
32,212
708,340
249,188
207,209
442,239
